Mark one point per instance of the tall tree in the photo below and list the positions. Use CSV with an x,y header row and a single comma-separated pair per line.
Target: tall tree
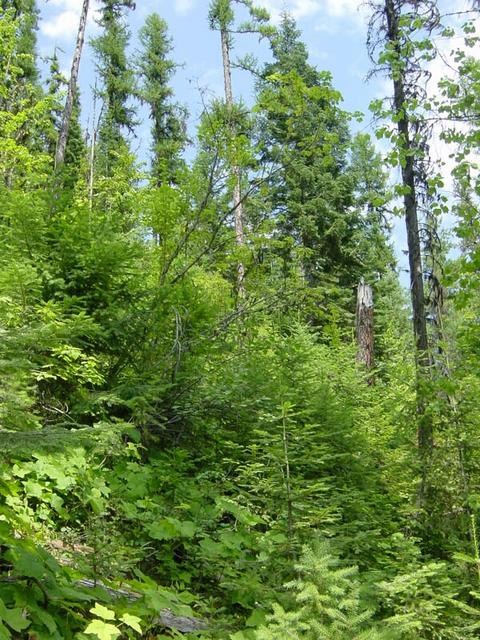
x,y
221,17
156,69
26,12
74,152
304,136
117,82
72,87
403,58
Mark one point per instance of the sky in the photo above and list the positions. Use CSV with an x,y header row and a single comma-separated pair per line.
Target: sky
x,y
334,32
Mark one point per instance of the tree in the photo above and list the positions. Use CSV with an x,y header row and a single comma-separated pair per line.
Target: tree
x,y
26,12
402,58
74,152
221,17
364,326
117,83
304,137
168,119
328,604
72,88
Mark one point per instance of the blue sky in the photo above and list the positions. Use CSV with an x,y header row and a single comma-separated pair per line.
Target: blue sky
x,y
333,30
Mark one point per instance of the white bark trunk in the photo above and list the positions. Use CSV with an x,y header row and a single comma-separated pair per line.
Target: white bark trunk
x,y
72,86
237,193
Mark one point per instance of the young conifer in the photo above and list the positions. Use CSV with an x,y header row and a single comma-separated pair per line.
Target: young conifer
x,y
156,69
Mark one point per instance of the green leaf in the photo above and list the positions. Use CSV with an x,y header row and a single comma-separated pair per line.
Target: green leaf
x,y
102,612
13,617
169,528
132,621
4,632
33,489
29,565
103,630
162,530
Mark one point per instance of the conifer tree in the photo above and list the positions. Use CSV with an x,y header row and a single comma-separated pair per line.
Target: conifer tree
x,y
372,199
56,83
304,136
26,12
328,605
156,69
117,83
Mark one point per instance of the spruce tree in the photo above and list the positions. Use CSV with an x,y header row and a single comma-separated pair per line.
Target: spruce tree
x,y
304,137
26,12
328,604
117,83
56,84
155,69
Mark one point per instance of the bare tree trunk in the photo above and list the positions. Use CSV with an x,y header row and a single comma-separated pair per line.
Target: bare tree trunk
x,y
237,194
364,326
93,142
425,434
72,87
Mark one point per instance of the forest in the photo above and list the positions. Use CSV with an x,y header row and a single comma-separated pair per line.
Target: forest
x,y
224,415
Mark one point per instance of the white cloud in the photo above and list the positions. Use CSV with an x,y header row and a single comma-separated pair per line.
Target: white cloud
x,y
297,8
64,24
342,8
353,10
184,6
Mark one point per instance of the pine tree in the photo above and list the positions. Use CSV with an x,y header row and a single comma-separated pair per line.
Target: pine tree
x,y
156,69
117,83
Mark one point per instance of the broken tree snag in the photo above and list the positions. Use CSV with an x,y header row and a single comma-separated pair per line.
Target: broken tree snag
x,y
364,326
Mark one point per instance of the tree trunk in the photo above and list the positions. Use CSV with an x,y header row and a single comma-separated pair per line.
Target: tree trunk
x,y
364,325
425,434
72,86
237,194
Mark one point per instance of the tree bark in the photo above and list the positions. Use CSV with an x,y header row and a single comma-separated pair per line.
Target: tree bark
x,y
72,87
425,435
364,326
237,194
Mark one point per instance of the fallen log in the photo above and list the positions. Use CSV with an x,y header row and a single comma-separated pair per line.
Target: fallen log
x,y
168,619
184,624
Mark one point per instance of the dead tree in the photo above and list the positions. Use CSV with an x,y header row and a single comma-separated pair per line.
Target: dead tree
x,y
364,327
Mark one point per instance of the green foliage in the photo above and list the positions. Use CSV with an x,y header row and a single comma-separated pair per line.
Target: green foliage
x,y
166,447
328,604
168,119
117,84
320,227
